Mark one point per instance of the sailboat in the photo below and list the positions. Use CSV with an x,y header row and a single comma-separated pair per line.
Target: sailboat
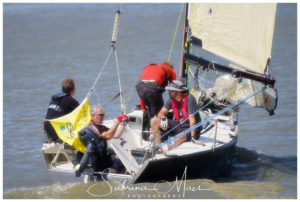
x,y
225,62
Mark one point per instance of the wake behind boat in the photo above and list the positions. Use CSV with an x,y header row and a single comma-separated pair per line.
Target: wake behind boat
x,y
217,33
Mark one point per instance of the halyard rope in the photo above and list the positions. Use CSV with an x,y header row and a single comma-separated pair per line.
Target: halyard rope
x,y
176,29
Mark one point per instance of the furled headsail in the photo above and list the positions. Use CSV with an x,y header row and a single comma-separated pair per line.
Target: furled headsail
x,y
241,35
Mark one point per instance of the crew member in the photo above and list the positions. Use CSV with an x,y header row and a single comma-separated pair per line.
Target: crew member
x,y
184,108
60,105
95,137
154,78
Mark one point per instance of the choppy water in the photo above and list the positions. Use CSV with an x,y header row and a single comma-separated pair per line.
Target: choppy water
x,y
45,43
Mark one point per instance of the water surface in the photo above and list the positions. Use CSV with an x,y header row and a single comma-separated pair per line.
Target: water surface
x,y
45,43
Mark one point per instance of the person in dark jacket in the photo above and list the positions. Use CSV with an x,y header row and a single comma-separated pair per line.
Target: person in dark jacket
x,y
61,104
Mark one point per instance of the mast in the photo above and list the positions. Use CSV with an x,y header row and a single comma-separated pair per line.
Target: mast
x,y
185,47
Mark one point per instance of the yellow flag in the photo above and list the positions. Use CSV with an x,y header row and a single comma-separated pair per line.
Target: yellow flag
x,y
68,126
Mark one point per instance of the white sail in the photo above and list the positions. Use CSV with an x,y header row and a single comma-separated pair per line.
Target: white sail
x,y
239,32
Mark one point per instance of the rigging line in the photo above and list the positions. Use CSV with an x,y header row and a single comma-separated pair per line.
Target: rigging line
x,y
246,81
98,100
122,101
113,41
112,99
212,100
198,80
211,118
176,29
109,55
129,96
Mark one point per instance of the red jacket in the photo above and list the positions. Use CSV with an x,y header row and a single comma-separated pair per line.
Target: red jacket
x,y
158,74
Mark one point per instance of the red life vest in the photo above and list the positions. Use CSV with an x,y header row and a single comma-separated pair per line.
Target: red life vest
x,y
184,109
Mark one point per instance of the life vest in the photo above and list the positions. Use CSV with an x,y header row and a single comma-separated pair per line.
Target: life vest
x,y
184,109
96,152
92,133
97,129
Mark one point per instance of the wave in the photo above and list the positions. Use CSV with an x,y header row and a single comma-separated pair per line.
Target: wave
x,y
250,165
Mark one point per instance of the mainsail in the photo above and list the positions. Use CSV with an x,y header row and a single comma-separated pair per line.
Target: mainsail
x,y
240,33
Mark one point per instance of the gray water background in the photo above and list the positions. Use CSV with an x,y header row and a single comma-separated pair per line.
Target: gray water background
x,y
45,43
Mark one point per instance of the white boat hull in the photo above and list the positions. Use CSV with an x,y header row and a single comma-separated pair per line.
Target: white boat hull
x,y
207,160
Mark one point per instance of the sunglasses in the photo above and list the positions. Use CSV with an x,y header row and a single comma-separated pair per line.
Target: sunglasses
x,y
170,91
100,114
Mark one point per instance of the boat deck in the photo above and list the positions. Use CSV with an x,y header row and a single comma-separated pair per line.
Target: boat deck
x,y
224,136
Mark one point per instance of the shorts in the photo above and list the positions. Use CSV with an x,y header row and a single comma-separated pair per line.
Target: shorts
x,y
151,94
180,128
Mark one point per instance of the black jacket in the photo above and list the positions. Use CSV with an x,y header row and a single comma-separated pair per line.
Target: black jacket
x,y
61,104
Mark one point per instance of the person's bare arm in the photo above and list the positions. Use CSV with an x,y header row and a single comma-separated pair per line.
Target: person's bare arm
x,y
111,132
162,112
119,131
192,123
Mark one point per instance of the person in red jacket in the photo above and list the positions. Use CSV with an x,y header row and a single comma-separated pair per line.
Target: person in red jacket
x,y
151,86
